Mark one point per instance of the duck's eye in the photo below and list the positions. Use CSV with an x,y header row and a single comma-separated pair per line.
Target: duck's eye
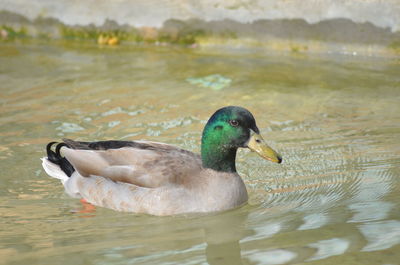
x,y
234,123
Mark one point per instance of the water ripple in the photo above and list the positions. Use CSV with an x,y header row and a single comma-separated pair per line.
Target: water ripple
x,y
381,235
370,211
271,257
314,221
329,248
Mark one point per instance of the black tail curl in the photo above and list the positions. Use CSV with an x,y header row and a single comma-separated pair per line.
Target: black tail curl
x,y
56,158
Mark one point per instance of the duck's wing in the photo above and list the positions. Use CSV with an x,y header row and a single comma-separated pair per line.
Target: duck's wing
x,y
143,163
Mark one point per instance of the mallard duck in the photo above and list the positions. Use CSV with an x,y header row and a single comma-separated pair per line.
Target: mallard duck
x,y
158,178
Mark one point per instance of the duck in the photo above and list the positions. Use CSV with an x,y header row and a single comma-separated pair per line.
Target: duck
x,y
160,179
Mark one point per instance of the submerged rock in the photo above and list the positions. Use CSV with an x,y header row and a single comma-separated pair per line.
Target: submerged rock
x,y
215,82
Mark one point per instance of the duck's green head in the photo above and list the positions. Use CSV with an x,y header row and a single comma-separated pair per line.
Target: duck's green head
x,y
228,129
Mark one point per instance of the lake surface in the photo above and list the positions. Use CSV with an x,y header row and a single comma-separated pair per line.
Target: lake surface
x,y
335,120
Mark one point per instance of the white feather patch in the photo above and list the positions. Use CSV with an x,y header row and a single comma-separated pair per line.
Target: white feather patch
x,y
54,170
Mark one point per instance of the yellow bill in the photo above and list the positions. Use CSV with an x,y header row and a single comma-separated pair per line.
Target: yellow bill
x,y
257,144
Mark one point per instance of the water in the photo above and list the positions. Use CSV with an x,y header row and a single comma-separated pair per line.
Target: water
x,y
335,120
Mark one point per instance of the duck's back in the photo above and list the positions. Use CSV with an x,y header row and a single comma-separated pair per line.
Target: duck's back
x,y
143,163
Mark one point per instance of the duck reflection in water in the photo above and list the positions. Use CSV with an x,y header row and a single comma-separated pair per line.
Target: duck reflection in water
x,y
222,233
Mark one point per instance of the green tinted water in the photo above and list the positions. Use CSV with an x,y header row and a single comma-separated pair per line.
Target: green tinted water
x,y
335,120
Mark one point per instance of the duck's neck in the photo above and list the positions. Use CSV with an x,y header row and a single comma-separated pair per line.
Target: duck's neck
x,y
217,156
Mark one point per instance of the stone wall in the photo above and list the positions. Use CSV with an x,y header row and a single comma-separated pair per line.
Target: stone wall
x,y
295,25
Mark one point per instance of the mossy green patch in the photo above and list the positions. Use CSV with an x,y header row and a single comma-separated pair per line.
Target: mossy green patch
x,y
395,46
9,32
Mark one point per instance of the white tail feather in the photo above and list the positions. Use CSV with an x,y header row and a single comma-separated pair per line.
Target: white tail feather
x,y
54,170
